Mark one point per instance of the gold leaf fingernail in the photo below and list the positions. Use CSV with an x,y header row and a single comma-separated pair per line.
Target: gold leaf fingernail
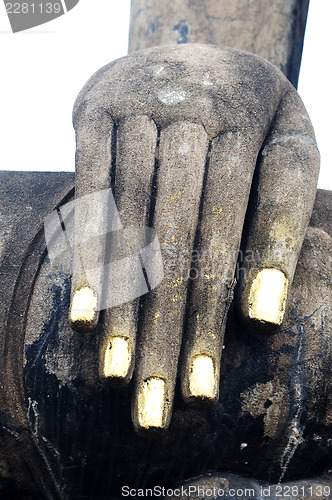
x,y
83,313
268,296
117,359
202,380
151,404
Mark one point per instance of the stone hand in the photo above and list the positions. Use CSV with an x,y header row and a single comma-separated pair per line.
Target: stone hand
x,y
183,136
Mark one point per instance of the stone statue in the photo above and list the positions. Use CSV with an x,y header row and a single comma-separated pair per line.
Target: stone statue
x,y
213,148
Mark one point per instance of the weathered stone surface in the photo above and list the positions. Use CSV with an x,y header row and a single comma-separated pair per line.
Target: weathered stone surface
x,y
220,88
322,212
221,114
136,143
64,434
66,421
77,433
26,199
272,30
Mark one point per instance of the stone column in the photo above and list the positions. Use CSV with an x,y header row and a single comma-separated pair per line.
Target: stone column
x,y
273,30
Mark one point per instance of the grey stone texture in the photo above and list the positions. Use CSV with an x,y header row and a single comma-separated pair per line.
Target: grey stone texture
x,y
136,139
65,435
219,114
26,199
272,30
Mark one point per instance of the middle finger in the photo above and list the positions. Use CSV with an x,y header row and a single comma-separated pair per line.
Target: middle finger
x,y
183,153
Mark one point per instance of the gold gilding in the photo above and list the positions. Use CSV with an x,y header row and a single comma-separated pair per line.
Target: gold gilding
x,y
202,383
151,404
267,296
209,276
117,359
83,310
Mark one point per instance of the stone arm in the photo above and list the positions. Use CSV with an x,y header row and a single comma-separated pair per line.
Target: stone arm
x,y
272,30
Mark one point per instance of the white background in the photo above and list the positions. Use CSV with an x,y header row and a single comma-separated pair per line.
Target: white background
x,y
43,69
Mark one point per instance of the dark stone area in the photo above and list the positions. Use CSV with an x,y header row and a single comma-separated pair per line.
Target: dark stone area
x,y
64,435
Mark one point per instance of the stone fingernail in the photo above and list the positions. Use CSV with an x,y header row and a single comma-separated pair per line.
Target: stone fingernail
x,y
202,379
116,360
152,404
83,314
268,296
